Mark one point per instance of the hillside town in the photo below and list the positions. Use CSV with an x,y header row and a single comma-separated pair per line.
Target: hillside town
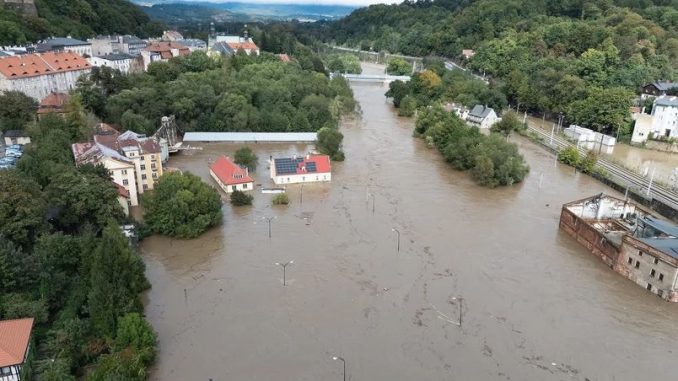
x,y
198,190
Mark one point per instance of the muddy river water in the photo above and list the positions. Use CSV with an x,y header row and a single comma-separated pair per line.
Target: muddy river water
x,y
536,305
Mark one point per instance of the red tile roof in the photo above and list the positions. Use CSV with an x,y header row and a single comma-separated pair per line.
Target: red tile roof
x,y
243,45
54,102
322,164
229,172
122,191
32,65
165,48
14,338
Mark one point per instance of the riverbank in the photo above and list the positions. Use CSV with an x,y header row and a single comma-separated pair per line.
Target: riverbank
x,y
535,302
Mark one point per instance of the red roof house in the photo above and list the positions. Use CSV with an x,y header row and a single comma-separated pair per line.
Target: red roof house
x,y
301,169
15,336
54,103
230,176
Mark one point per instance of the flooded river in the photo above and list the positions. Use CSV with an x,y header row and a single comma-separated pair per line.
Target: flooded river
x,y
536,305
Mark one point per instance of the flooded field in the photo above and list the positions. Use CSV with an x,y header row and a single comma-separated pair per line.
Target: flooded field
x,y
536,305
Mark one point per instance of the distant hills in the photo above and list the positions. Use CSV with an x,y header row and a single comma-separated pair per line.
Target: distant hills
x,y
177,11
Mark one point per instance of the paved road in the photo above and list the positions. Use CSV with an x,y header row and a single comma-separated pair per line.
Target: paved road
x,y
620,175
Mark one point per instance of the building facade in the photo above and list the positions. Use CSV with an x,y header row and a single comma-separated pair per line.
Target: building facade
x,y
16,137
482,116
657,89
37,75
15,336
301,169
125,63
54,103
65,44
632,242
230,176
133,160
163,51
665,117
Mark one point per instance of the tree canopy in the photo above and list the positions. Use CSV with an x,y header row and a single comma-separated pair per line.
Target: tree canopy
x,y
182,206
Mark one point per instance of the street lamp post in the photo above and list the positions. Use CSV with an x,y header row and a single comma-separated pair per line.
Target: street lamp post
x,y
373,201
269,219
461,307
284,267
301,194
335,358
397,231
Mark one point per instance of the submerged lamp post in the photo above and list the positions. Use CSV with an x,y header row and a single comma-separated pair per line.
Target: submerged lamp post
x,y
335,358
269,219
461,307
284,267
398,232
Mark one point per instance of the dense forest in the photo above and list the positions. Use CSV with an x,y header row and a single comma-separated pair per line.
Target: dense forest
x,y
242,93
545,55
65,262
76,18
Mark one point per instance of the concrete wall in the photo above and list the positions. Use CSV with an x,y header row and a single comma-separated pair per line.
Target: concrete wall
x,y
244,187
303,178
588,236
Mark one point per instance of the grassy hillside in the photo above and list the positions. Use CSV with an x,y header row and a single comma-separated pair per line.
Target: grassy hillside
x,y
78,18
560,56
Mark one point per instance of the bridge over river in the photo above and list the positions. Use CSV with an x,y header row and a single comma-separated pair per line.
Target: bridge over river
x,y
373,78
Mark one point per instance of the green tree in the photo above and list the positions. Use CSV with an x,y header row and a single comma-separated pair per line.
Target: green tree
x,y
182,206
240,198
408,106
329,143
135,332
509,123
22,208
16,110
245,157
398,66
117,277
397,90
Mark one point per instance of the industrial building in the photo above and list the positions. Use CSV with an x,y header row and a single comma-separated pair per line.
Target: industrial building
x,y
634,243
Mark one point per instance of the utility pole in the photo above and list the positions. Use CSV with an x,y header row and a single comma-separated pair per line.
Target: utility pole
x,y
649,185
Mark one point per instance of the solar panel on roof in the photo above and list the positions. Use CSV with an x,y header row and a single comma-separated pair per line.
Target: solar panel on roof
x,y
311,167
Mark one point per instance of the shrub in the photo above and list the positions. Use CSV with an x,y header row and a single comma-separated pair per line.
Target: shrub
x,y
569,156
245,157
281,199
240,198
407,106
588,162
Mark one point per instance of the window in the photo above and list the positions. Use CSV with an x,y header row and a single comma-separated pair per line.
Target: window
x,y
6,371
124,171
143,167
637,264
640,253
143,177
152,157
661,277
649,287
125,182
656,261
244,186
652,273
630,261
155,175
145,186
233,187
660,293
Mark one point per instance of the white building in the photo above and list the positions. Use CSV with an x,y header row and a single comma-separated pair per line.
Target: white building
x,y
665,115
301,169
126,63
37,75
133,160
67,44
127,44
642,129
230,176
482,116
16,137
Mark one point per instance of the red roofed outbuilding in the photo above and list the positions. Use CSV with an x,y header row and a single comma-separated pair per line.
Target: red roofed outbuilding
x,y
301,169
15,337
230,176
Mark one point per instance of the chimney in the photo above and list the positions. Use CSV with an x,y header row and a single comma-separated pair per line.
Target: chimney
x,y
247,171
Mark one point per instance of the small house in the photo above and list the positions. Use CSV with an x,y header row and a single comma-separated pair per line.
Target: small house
x,y
54,103
657,89
16,137
230,176
482,116
15,336
301,169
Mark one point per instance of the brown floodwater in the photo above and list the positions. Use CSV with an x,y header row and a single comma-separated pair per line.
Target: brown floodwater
x,y
536,305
